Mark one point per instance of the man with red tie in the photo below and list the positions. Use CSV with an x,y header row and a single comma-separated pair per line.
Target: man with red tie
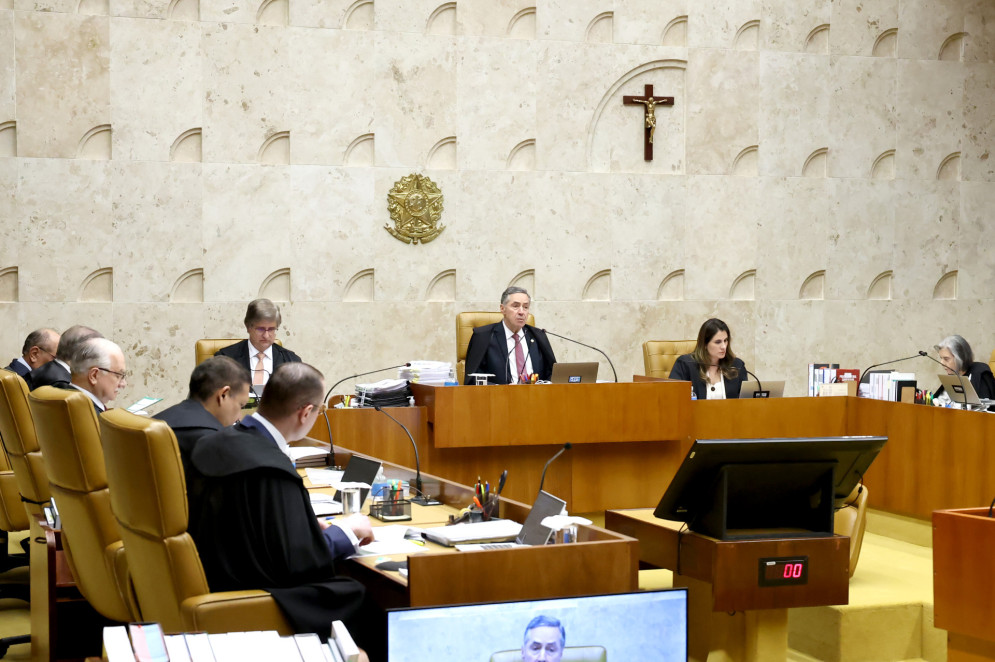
x,y
511,350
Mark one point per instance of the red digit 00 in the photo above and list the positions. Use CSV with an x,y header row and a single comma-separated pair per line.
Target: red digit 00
x,y
796,571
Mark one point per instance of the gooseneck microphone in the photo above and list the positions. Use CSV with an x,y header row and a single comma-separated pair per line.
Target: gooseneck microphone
x,y
866,372
421,499
960,378
567,446
363,374
760,392
614,374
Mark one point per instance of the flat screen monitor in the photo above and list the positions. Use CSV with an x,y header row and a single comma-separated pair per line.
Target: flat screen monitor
x,y
648,625
753,488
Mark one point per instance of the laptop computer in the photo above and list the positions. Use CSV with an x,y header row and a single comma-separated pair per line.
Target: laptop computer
x,y
575,373
959,389
533,532
749,388
360,470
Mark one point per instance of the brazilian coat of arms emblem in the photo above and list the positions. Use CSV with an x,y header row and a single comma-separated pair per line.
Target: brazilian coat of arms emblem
x,y
415,206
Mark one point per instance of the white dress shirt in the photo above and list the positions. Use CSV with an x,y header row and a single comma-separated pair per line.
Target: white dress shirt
x,y
96,400
512,361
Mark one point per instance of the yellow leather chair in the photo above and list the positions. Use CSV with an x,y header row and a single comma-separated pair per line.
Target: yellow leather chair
x,y
851,520
149,500
465,324
206,347
69,438
659,356
570,654
991,361
21,444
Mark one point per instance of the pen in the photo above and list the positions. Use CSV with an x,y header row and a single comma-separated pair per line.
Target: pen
x,y
477,501
487,491
504,477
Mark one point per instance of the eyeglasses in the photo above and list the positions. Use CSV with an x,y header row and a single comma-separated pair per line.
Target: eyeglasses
x,y
45,350
121,376
263,330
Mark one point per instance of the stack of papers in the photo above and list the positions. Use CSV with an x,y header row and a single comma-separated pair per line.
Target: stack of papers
x,y
325,504
310,456
430,373
385,393
391,540
323,477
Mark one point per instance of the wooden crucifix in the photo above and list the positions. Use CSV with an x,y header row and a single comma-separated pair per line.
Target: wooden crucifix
x,y
650,102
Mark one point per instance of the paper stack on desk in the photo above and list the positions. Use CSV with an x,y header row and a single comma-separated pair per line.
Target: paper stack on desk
x,y
430,373
385,393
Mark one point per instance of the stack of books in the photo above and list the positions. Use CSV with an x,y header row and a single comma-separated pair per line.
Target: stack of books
x,y
429,373
385,393
141,642
830,379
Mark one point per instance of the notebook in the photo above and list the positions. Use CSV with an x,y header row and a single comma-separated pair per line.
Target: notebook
x,y
575,373
960,389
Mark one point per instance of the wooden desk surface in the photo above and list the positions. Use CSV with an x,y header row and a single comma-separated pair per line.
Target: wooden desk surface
x,y
600,562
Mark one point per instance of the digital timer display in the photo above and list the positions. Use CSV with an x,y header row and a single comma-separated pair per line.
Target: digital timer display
x,y
783,571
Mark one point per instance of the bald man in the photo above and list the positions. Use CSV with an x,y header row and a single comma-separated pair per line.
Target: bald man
x,y
57,372
39,348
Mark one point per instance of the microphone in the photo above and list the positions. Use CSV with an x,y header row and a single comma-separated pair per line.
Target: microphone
x,y
567,446
760,392
960,378
362,374
420,499
547,331
866,372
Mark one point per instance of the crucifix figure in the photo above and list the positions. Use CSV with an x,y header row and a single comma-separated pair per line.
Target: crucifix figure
x,y
649,102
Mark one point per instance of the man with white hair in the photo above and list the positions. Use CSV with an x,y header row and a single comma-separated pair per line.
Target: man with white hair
x,y
98,369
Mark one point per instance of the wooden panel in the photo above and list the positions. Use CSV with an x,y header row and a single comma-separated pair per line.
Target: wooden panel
x,y
730,566
554,414
963,573
523,574
760,418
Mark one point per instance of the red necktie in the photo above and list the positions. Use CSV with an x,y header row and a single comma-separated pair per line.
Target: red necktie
x,y
520,358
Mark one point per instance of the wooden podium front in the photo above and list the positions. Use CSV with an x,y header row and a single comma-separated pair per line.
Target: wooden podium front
x,y
964,582
731,607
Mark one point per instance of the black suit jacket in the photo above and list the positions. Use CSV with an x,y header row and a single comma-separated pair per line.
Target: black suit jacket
x,y
252,521
50,374
189,421
488,352
240,352
18,367
686,369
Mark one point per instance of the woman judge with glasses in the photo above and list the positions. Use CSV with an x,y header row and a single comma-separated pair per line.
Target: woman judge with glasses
x,y
958,359
259,354
713,370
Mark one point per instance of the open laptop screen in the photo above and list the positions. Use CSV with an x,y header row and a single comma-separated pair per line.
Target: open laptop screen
x,y
648,625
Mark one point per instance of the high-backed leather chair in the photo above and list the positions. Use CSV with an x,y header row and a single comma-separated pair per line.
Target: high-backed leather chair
x,y
570,654
659,356
465,324
19,440
991,361
206,347
66,424
148,497
851,520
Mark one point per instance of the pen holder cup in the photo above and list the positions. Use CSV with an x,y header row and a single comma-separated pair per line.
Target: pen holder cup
x,y
391,511
351,502
567,534
492,508
476,514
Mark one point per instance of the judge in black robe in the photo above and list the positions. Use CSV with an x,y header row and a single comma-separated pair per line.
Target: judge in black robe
x,y
255,529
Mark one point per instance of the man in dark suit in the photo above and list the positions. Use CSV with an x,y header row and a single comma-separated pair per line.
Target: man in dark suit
x,y
251,516
99,370
57,371
219,389
511,350
39,348
259,354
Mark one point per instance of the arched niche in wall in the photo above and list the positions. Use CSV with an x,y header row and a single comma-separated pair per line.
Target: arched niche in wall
x,y
744,287
523,24
95,145
880,287
526,280
598,287
946,288
442,21
360,152
188,147
359,287
276,286
188,288
814,287
671,287
8,285
442,287
98,286
359,16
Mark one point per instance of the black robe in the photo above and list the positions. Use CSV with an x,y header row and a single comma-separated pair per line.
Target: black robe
x,y
189,421
50,374
252,520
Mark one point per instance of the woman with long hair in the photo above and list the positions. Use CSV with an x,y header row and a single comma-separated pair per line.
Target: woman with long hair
x,y
713,370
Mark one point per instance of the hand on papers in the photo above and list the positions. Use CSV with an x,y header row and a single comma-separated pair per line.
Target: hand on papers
x,y
360,525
